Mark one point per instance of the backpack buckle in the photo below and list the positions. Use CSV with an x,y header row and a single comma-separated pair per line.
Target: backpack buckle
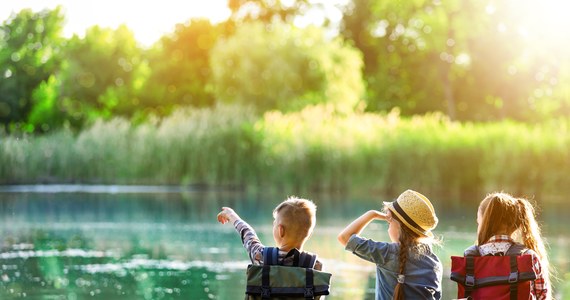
x,y
513,277
309,293
470,280
265,293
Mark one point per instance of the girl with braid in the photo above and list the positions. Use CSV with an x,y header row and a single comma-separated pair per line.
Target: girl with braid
x,y
406,267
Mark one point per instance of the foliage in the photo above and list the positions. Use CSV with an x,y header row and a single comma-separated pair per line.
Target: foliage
x,y
266,10
29,54
193,146
278,66
100,74
459,57
179,68
313,149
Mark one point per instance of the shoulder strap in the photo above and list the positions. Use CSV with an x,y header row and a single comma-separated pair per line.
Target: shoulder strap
x,y
472,251
516,249
270,256
307,260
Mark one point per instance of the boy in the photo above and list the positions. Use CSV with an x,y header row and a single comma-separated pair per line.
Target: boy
x,y
294,222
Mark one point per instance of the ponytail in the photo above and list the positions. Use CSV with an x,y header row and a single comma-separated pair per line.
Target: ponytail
x,y
532,238
501,213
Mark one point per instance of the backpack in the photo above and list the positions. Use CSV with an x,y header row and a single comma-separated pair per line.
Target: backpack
x,y
501,277
275,281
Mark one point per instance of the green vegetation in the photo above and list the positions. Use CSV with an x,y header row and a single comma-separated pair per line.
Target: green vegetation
x,y
286,68
470,60
372,106
315,149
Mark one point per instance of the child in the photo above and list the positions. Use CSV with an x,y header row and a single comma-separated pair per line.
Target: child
x,y
406,268
501,217
293,225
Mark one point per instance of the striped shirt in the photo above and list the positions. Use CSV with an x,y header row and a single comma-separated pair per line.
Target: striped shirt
x,y
502,243
254,247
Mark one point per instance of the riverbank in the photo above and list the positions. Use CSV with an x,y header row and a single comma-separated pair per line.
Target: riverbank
x,y
314,150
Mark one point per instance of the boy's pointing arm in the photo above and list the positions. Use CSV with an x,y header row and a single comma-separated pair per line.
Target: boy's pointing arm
x,y
248,236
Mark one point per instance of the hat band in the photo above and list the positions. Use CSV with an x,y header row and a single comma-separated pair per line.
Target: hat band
x,y
407,218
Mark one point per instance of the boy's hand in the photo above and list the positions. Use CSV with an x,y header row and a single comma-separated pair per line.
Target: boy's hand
x,y
227,215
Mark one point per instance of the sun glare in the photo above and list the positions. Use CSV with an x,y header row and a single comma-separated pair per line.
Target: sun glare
x,y
148,19
544,23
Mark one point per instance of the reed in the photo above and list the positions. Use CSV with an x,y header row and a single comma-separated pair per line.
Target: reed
x,y
315,149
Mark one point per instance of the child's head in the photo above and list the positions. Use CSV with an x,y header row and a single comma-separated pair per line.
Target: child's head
x,y
414,213
294,220
412,218
503,214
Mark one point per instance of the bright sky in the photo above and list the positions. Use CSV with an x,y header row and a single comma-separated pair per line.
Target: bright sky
x,y
149,19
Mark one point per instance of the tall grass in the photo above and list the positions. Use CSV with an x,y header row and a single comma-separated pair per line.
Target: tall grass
x,y
314,149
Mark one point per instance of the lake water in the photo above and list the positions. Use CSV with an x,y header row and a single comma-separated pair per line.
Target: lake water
x,y
100,242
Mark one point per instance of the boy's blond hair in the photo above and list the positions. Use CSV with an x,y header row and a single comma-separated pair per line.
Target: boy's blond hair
x,y
298,216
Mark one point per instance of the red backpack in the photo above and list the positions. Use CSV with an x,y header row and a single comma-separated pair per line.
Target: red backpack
x,y
505,277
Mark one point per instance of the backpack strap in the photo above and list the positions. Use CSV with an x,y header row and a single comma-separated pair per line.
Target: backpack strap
x,y
469,283
309,284
270,256
307,260
472,251
516,249
514,277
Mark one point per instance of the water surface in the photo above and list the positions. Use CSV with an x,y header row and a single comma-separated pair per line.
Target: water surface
x,y
112,242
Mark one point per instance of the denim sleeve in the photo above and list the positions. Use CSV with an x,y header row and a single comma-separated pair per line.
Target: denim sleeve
x,y
369,250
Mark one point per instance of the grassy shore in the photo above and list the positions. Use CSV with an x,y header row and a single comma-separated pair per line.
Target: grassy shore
x,y
314,149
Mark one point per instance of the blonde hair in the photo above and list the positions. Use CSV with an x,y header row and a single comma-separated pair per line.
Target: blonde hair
x,y
502,213
408,240
297,215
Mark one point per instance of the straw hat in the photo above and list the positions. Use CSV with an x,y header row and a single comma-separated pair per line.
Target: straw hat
x,y
415,211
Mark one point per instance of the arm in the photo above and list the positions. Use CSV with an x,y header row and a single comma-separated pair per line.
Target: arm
x,y
540,285
248,236
228,215
358,225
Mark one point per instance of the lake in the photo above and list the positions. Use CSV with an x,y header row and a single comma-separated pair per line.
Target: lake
x,y
120,242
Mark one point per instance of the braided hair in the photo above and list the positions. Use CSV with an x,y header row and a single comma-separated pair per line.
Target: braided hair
x,y
409,242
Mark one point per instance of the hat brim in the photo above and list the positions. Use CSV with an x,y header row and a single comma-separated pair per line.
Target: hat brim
x,y
390,206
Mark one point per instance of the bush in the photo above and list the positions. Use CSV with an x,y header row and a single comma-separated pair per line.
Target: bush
x,y
278,66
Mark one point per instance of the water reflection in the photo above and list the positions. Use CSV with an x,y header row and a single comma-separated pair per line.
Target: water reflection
x,y
168,245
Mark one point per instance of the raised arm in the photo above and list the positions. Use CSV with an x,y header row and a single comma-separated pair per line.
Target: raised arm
x,y
358,225
227,215
248,236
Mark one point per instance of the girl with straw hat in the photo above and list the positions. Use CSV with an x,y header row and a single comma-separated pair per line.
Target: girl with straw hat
x,y
406,266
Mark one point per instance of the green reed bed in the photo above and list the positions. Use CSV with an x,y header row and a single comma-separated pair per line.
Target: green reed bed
x,y
314,149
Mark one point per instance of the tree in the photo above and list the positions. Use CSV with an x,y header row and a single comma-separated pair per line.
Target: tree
x,y
179,67
101,74
267,11
29,55
465,58
279,66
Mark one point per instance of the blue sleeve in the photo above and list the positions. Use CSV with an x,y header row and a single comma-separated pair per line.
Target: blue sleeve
x,y
369,250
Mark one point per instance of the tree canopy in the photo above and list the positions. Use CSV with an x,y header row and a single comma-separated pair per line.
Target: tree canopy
x,y
472,60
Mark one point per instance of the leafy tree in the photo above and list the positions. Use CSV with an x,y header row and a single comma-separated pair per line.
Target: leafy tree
x,y
179,68
29,55
450,56
267,11
278,66
402,45
101,75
